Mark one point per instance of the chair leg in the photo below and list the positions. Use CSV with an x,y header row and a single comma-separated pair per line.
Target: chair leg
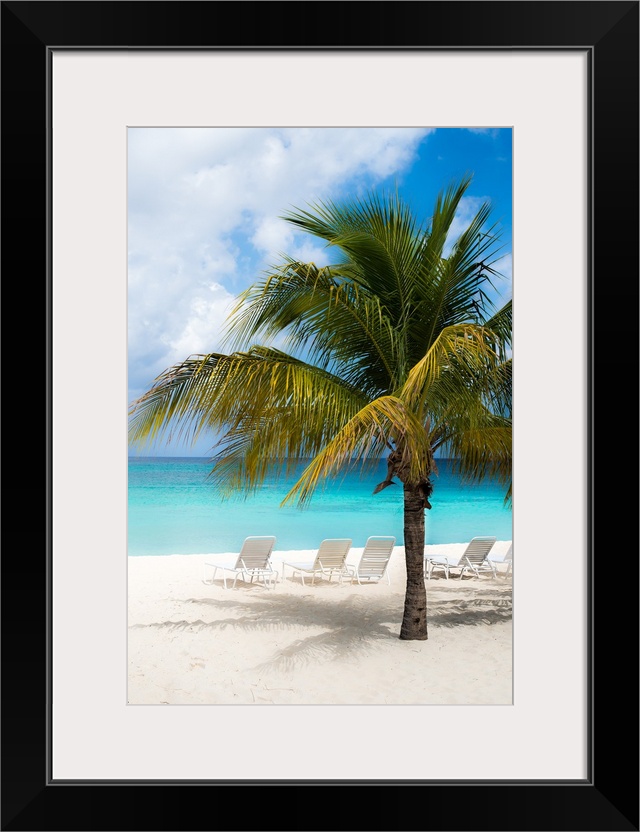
x,y
224,577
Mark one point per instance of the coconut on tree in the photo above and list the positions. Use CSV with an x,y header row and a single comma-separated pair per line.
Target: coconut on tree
x,y
394,349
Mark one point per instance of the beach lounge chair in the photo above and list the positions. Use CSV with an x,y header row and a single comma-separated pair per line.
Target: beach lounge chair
x,y
254,561
474,559
506,558
374,560
329,561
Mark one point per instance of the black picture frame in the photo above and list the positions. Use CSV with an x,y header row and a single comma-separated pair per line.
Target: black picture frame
x,y
608,798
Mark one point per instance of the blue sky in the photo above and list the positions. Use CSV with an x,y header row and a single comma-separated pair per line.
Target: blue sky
x,y
204,207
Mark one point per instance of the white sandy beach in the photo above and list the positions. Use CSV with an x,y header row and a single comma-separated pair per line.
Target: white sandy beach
x,y
192,642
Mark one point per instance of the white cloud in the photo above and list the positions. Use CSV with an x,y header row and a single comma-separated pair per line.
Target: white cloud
x,y
167,325
204,220
205,320
492,132
306,252
272,235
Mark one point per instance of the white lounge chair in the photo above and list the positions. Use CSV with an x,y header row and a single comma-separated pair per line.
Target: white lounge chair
x,y
254,561
474,559
374,560
329,561
506,558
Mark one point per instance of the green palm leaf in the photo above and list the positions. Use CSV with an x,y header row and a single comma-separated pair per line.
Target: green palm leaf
x,y
336,323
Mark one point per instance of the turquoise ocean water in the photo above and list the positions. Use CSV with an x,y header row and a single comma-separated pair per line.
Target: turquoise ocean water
x,y
174,509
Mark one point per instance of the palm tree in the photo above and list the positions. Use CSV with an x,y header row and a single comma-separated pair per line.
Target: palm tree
x,y
395,348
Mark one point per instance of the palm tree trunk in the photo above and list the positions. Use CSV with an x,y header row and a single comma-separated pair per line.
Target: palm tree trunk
x,y
414,620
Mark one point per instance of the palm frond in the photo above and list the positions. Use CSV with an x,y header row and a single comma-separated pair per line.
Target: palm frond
x,y
447,204
378,233
499,395
290,406
380,423
481,452
502,324
454,289
337,323
456,365
177,402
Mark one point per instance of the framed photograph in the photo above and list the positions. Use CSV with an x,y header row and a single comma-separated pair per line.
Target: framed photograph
x,y
563,78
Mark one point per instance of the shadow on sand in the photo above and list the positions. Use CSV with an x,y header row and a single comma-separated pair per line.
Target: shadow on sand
x,y
348,626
